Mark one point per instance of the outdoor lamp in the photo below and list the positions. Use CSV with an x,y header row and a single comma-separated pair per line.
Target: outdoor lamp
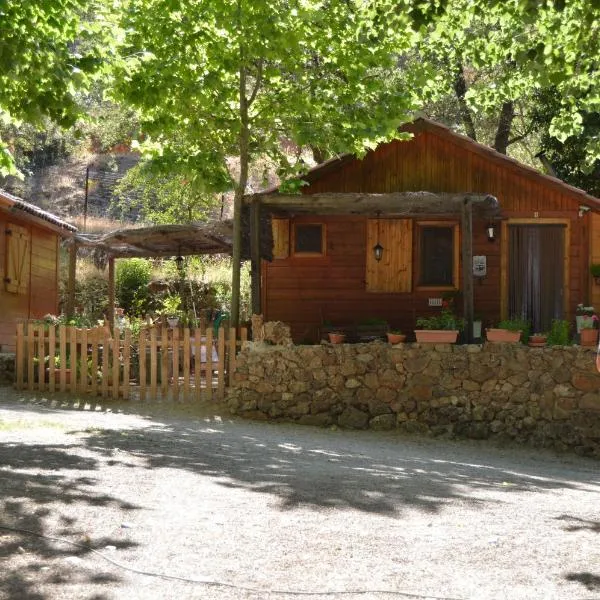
x,y
378,251
490,231
378,248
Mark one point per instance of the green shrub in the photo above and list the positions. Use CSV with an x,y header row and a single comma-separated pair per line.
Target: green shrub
x,y
560,333
132,279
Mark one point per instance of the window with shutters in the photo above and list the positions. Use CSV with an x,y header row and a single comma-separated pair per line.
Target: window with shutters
x,y
308,239
16,273
437,261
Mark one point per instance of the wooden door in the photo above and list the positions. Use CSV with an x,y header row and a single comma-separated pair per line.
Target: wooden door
x,y
536,258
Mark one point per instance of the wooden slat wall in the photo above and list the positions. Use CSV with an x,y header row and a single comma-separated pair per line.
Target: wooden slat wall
x,y
305,292
42,294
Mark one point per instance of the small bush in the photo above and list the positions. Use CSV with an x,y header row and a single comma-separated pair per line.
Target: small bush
x,y
132,279
559,333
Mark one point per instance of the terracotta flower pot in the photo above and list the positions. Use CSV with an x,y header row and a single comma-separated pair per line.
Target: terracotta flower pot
x,y
537,341
336,337
502,335
588,337
436,336
396,338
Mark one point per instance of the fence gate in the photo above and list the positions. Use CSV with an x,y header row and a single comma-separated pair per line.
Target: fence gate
x,y
156,364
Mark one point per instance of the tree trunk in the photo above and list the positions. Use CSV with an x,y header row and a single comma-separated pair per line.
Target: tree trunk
x,y
507,114
240,188
319,154
460,88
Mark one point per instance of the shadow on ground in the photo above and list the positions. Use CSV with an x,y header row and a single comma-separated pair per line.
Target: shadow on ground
x,y
302,466
41,483
305,466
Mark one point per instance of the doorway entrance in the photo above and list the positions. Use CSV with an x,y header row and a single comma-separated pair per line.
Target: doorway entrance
x,y
536,258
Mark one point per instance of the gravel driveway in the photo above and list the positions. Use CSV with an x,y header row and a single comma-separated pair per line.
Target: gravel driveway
x,y
256,510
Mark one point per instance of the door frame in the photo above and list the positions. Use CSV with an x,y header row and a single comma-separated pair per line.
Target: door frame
x,y
504,259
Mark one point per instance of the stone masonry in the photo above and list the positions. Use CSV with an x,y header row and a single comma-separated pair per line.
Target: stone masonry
x,y
546,397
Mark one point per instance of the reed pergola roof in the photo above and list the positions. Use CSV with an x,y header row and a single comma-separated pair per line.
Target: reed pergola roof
x,y
162,240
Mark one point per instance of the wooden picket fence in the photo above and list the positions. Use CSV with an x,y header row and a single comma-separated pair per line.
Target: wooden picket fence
x,y
159,364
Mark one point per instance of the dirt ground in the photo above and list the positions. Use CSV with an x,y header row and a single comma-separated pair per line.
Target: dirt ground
x,y
177,503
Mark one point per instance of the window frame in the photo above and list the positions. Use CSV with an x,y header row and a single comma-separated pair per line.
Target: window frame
x,y
321,254
454,226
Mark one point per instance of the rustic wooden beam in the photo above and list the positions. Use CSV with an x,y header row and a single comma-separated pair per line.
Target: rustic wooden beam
x,y
467,264
255,257
70,308
111,291
401,204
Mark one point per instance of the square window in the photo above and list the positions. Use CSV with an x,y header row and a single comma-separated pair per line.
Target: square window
x,y
308,239
436,266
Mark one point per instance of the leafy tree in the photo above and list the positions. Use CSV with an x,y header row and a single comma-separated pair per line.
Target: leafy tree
x,y
48,50
496,56
216,79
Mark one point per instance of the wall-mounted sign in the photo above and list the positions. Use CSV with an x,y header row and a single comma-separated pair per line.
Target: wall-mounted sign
x,y
479,266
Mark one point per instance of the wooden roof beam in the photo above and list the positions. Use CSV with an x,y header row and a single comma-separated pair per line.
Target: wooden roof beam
x,y
395,203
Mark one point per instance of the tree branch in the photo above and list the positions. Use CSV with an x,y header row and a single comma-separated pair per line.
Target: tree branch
x,y
257,83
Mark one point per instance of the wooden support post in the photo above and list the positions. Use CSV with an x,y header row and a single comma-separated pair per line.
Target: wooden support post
x,y
111,291
467,265
70,308
255,256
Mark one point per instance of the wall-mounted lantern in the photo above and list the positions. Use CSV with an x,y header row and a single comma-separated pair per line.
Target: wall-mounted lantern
x,y
378,248
490,231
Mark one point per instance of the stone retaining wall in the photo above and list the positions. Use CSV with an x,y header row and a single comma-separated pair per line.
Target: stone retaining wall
x,y
7,368
541,396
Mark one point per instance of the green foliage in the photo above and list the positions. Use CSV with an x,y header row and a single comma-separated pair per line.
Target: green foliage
x,y
445,320
132,279
517,324
48,51
161,196
595,269
559,334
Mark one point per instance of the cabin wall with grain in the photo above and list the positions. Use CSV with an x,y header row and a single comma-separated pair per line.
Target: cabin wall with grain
x,y
37,293
304,292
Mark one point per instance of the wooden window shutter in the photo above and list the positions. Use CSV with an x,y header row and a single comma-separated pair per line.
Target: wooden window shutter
x,y
393,273
16,274
281,238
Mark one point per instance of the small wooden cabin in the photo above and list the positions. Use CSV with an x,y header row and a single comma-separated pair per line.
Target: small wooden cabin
x,y
29,261
545,235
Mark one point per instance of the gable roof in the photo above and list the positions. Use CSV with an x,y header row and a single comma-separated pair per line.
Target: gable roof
x,y
424,124
32,212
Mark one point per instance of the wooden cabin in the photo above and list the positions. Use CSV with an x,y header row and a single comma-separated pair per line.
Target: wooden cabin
x,y
536,264
29,261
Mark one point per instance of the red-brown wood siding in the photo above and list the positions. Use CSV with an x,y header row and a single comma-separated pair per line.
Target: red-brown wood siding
x,y
305,292
42,292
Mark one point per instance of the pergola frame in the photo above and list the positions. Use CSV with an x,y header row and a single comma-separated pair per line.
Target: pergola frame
x,y
396,204
147,242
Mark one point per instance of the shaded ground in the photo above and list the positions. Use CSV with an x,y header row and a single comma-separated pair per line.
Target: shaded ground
x,y
259,510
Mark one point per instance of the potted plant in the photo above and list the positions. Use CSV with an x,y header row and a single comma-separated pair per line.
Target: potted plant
x,y
595,272
588,334
171,310
337,337
441,328
584,317
538,340
395,336
508,330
